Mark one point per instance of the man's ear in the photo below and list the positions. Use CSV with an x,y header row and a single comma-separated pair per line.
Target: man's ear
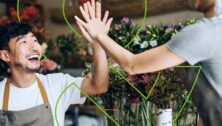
x,y
4,55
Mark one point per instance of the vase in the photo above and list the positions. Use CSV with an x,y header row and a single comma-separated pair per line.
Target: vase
x,y
144,114
164,117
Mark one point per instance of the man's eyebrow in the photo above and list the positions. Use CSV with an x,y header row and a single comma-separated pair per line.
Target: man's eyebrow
x,y
33,36
20,37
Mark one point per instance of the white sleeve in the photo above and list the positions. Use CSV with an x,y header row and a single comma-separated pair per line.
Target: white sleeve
x,y
72,94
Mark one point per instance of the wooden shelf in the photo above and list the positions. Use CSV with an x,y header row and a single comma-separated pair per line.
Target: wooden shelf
x,y
130,8
14,1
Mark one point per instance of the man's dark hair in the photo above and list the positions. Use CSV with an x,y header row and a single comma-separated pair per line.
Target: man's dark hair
x,y
12,30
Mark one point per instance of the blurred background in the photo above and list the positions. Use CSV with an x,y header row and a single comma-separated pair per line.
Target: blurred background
x,y
65,51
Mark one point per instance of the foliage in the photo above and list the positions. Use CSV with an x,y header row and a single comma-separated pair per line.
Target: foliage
x,y
68,45
169,88
168,91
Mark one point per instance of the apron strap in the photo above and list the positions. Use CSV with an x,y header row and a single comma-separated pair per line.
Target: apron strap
x,y
6,96
7,90
42,90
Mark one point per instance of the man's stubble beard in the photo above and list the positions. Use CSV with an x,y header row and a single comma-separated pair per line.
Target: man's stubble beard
x,y
20,66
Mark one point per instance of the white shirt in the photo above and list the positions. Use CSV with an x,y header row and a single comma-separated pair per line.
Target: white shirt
x,y
54,84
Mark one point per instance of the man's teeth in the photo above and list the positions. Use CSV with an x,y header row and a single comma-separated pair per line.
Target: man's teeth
x,y
36,57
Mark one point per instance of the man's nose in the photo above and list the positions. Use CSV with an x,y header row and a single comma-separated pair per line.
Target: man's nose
x,y
34,47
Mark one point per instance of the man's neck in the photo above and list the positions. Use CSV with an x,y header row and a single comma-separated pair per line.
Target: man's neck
x,y
22,79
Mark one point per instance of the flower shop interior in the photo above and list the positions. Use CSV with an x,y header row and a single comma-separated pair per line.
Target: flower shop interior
x,y
139,25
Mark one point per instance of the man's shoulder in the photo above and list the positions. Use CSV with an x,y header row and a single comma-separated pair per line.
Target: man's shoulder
x,y
57,77
52,75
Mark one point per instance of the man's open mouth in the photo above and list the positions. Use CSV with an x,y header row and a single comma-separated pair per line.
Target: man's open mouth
x,y
34,58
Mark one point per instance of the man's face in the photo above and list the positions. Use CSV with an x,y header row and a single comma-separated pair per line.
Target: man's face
x,y
25,53
203,5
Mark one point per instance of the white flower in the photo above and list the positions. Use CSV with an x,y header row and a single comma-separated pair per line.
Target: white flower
x,y
168,30
127,34
174,34
148,32
44,47
153,43
136,40
144,45
115,65
149,26
90,51
154,35
120,38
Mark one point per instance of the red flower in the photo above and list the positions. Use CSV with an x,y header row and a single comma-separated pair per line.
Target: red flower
x,y
13,14
31,11
25,16
83,1
4,21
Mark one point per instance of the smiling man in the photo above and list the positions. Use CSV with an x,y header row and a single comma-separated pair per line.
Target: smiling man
x,y
28,98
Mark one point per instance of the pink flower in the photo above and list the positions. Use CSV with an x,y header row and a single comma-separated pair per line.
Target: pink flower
x,y
49,64
145,79
135,100
125,20
132,23
116,26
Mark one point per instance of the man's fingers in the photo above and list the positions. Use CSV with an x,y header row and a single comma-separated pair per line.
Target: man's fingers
x,y
84,14
84,32
105,17
98,10
91,11
86,8
93,5
80,21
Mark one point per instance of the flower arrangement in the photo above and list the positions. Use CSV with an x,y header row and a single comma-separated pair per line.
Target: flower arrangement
x,y
28,13
152,36
123,32
169,88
